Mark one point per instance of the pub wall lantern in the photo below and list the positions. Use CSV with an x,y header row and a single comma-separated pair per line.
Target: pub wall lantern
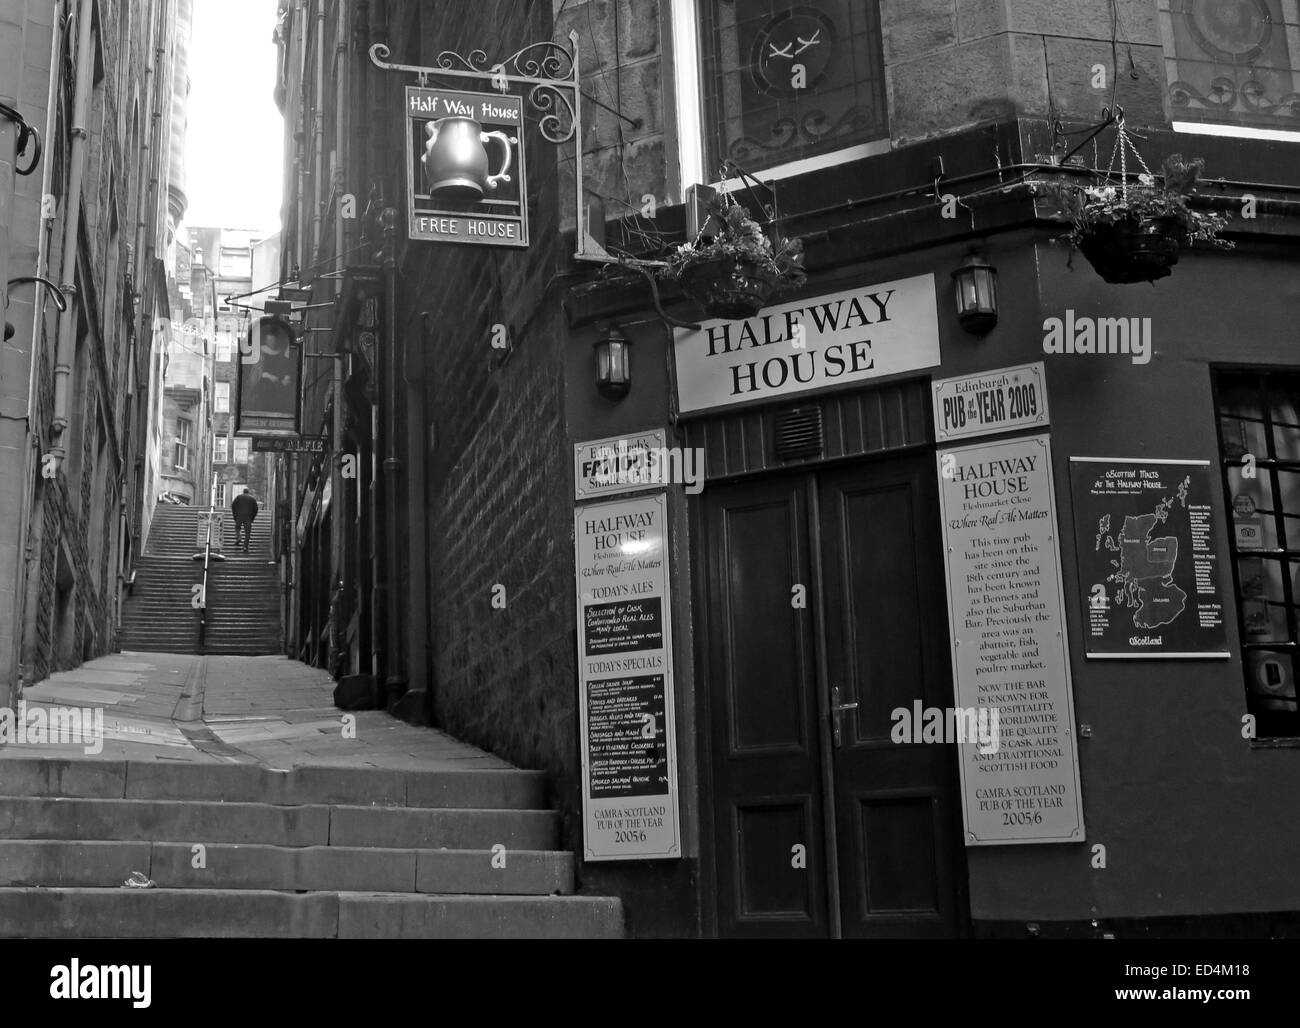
x,y
613,365
976,291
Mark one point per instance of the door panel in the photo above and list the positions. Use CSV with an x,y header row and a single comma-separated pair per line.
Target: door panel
x,y
881,851
766,783
886,645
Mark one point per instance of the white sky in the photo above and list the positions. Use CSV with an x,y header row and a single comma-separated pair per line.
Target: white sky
x,y
234,144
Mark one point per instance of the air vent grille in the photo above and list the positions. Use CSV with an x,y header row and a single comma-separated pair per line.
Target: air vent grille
x,y
798,433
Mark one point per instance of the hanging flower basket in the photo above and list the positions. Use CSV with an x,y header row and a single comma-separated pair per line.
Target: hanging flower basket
x,y
728,286
1135,249
736,272
1134,232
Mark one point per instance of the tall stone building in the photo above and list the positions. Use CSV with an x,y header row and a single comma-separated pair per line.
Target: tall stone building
x,y
231,260
716,673
99,81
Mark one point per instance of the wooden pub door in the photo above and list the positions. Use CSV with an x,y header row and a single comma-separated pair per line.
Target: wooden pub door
x,y
823,594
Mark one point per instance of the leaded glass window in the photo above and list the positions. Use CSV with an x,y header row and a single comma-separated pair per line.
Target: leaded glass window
x,y
1233,62
783,81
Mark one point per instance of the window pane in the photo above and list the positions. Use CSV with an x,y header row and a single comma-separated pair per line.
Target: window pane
x,y
1252,509
1232,62
1263,598
1270,677
1241,437
788,79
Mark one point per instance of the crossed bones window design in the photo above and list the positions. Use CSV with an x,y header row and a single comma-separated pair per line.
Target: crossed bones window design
x,y
782,81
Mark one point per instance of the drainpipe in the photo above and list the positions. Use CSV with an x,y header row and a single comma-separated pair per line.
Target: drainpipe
x,y
395,682
319,104
32,435
338,527
67,343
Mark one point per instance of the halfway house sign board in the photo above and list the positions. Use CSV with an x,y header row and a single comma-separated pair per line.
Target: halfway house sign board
x,y
465,168
839,339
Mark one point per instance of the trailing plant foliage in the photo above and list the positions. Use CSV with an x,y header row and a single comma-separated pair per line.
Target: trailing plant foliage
x,y
741,239
1095,208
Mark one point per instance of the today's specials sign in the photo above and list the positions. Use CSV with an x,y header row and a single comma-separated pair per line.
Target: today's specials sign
x,y
625,681
832,340
1009,649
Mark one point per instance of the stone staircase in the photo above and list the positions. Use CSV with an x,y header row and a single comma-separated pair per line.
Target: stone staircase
x,y
318,852
243,615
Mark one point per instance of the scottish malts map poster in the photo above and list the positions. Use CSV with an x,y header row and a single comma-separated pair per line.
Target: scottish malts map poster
x,y
1144,535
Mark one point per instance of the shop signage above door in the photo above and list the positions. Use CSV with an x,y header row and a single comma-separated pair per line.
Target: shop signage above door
x,y
465,168
809,345
289,444
1010,655
625,681
990,402
1144,535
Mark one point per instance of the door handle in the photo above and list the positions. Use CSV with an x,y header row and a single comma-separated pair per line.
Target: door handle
x,y
836,708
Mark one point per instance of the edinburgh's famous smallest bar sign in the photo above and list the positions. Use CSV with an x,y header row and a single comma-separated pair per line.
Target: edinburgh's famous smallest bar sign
x,y
465,168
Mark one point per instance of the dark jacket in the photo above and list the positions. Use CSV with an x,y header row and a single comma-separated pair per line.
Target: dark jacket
x,y
244,508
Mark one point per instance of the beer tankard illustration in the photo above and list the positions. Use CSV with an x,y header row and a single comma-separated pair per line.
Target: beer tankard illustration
x,y
456,161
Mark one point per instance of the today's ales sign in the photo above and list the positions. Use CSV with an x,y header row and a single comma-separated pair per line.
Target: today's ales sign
x,y
826,341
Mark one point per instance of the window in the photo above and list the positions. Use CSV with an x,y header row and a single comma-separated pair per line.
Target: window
x,y
224,345
221,403
1232,65
1259,434
184,431
236,263
769,84
220,450
241,451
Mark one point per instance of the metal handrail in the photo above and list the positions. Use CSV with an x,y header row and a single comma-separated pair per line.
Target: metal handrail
x,y
207,561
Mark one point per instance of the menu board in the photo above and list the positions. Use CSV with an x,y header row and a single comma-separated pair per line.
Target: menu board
x,y
1144,534
1011,665
629,765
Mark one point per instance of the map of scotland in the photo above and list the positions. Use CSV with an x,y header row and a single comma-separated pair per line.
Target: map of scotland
x,y
1145,569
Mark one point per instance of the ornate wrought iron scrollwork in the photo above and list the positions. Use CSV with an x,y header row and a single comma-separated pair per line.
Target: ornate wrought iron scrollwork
x,y
535,64
476,61
558,123
551,61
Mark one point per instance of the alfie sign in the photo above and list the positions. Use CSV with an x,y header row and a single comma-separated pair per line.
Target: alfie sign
x,y
465,168
809,345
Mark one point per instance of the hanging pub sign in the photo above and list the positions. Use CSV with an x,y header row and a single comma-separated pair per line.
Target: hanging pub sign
x,y
269,389
465,168
839,339
625,681
1148,566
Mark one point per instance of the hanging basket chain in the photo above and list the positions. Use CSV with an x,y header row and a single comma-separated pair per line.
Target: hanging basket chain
x,y
1123,147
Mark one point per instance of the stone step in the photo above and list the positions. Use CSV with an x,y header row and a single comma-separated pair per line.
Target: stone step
x,y
74,864
89,779
263,823
216,913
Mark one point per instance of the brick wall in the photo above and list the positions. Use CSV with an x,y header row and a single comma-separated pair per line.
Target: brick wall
x,y
499,480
